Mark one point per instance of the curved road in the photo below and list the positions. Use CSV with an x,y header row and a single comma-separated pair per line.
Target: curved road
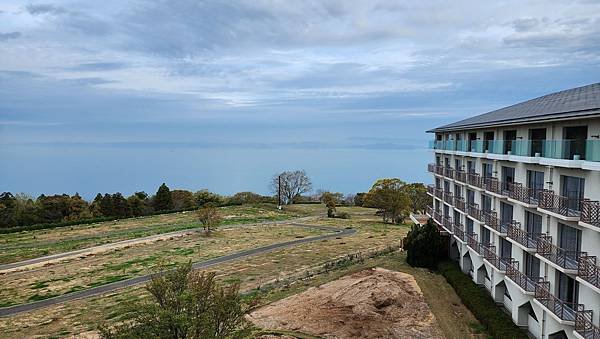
x,y
337,232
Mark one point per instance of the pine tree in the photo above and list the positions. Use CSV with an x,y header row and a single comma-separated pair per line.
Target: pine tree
x,y
163,201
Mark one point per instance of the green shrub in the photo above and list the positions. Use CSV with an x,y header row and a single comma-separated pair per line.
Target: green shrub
x,y
422,244
342,215
498,324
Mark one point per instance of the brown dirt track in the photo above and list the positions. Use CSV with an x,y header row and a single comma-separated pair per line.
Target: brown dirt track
x,y
373,303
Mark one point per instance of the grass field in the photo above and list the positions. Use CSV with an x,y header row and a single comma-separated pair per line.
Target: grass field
x,y
31,244
252,273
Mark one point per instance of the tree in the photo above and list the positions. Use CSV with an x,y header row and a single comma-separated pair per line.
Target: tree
x,y
242,198
330,201
183,200
204,197
79,209
423,244
7,209
209,217
389,196
359,199
293,184
417,193
186,304
163,201
120,206
96,206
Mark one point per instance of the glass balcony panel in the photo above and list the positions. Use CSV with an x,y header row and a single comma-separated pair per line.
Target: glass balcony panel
x,y
592,150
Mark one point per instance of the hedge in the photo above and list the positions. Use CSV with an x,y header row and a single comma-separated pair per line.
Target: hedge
x,y
498,324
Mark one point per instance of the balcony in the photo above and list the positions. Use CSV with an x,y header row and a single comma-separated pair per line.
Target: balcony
x,y
474,179
590,212
523,194
459,203
474,211
431,189
492,184
584,325
567,259
489,254
567,207
574,149
460,176
448,198
473,243
588,270
448,172
562,309
527,240
525,282
491,220
447,223
457,229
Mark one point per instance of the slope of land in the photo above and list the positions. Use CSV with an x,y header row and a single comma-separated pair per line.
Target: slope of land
x,y
374,303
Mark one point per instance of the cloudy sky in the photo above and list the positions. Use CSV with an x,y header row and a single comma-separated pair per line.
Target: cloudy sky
x,y
103,96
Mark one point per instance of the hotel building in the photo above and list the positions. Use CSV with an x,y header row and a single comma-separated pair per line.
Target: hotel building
x,y
518,191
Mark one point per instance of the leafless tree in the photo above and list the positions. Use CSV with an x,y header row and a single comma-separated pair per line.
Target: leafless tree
x,y
293,184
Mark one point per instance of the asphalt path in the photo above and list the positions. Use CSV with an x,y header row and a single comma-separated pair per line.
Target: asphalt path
x,y
336,232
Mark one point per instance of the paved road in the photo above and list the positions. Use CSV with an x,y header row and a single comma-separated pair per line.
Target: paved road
x,y
119,244
336,232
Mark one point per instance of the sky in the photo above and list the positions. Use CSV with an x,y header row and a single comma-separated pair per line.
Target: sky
x,y
106,96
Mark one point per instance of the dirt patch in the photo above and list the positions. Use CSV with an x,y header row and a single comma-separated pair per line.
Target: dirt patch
x,y
374,303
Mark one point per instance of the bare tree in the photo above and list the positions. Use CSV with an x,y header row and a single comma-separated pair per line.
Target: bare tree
x,y
209,217
293,184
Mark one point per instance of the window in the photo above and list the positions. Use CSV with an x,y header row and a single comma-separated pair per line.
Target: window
x,y
469,226
509,138
532,265
486,170
457,164
506,213
457,191
470,196
533,223
470,167
472,139
486,203
456,218
446,186
505,248
537,137
572,189
569,238
488,138
485,235
508,176
568,288
575,139
446,162
535,181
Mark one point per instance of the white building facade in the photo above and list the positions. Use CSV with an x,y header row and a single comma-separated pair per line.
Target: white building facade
x,y
518,190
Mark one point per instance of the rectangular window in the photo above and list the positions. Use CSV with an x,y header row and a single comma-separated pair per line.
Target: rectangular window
x,y
535,181
575,141
446,186
537,137
533,223
485,235
568,288
469,229
508,176
486,203
470,167
532,265
505,248
457,191
457,164
506,213
456,218
569,238
486,170
572,189
470,196
509,138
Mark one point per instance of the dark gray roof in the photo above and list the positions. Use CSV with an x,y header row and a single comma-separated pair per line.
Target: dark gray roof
x,y
573,102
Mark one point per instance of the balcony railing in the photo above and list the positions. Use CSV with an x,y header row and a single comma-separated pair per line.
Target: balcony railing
x,y
474,211
473,243
527,283
431,189
571,149
492,184
489,254
528,240
438,193
459,203
562,309
491,219
431,168
447,223
590,212
448,197
569,207
448,172
458,231
584,325
437,216
523,194
474,179
564,258
588,270
460,176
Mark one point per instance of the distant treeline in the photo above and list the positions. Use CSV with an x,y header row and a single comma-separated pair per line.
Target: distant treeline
x,y
22,211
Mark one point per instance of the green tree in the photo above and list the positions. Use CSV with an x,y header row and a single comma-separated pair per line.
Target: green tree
x,y
329,199
96,206
417,192
242,198
106,206
163,201
423,244
359,199
7,209
183,200
79,209
186,304
120,206
390,197
209,217
204,197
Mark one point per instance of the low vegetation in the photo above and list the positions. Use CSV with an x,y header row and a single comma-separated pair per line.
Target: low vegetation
x,y
497,323
186,304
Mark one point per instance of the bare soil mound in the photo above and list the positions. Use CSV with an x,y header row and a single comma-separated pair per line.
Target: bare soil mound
x,y
374,303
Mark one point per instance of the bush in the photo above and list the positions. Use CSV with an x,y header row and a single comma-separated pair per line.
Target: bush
x,y
342,215
423,244
498,324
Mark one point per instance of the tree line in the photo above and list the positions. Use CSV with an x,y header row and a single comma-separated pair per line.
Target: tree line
x,y
23,210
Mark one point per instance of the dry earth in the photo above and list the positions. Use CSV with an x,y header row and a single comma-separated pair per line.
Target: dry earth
x,y
373,303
